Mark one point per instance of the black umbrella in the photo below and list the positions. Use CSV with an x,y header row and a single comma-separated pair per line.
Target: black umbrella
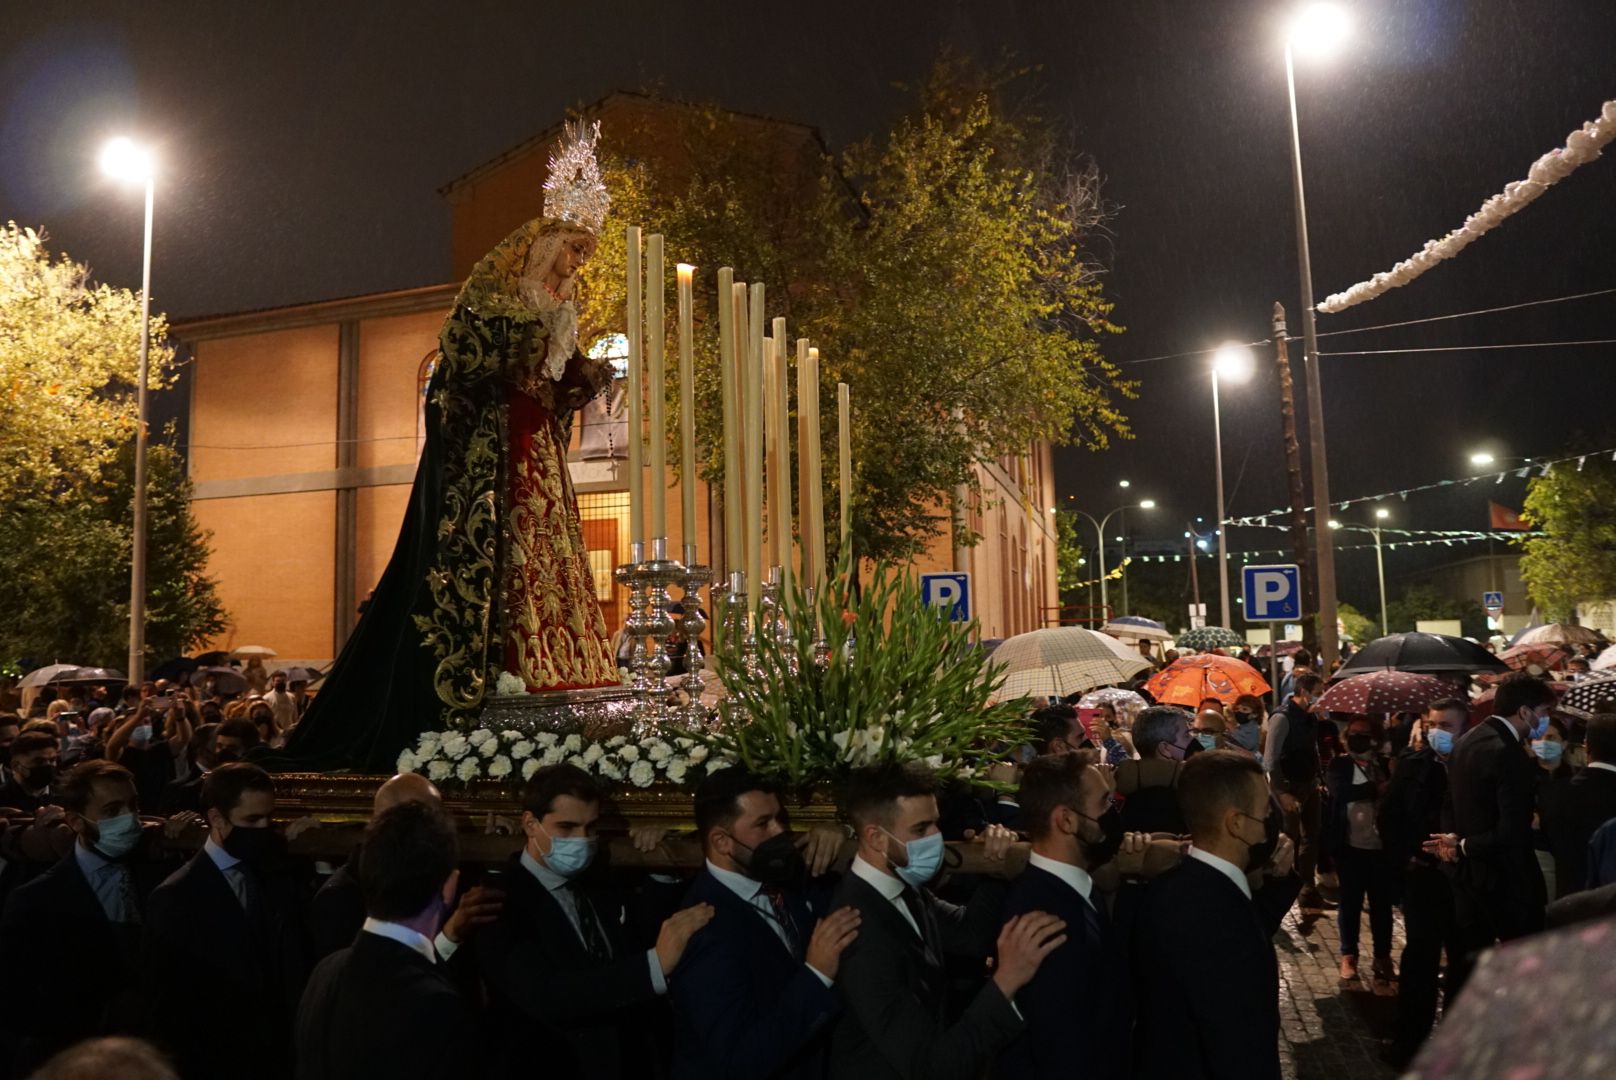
x,y
303,675
90,675
1432,654
226,680
176,670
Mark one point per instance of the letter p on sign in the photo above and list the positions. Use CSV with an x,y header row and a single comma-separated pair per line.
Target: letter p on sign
x,y
1272,593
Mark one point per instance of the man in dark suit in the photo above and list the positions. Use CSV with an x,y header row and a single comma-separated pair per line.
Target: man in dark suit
x,y
74,930
893,984
382,1007
1498,889
1572,811
224,947
1203,951
753,997
33,768
1415,807
1076,829
565,982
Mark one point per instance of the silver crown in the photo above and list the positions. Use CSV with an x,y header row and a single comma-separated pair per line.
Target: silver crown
x,y
574,191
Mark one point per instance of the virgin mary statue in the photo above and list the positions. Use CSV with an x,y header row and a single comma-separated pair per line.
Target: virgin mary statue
x,y
490,573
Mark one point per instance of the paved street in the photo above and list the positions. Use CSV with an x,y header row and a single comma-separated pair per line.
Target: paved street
x,y
1330,1030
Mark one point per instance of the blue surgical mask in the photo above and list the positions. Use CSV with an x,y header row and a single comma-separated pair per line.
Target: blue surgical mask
x,y
117,836
569,855
925,859
1440,740
141,735
1246,735
1548,751
1540,724
1207,740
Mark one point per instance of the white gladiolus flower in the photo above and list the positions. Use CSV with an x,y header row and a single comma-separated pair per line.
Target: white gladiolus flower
x,y
529,767
641,774
406,762
629,753
522,748
455,746
439,770
934,762
499,768
468,769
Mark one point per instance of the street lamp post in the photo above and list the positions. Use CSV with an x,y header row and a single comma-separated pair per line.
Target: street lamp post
x,y
1232,362
1381,515
1316,27
122,159
1099,535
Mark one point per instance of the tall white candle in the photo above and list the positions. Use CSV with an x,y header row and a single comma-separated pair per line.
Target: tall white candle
x,y
771,459
781,489
657,385
687,407
812,502
636,327
754,446
844,458
729,385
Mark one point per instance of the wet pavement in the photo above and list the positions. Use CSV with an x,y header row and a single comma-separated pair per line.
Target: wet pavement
x,y
1330,1029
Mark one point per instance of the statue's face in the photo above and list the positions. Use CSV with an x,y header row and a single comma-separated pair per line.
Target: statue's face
x,y
575,250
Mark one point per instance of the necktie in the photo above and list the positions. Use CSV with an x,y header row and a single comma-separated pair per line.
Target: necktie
x,y
589,928
126,897
781,914
237,877
917,910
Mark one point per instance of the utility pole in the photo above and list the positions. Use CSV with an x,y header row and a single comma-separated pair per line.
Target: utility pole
x,y
1293,475
1195,575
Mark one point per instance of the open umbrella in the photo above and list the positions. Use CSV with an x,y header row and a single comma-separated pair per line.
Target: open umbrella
x,y
303,674
255,650
44,676
1584,698
1558,634
1606,659
1136,627
1207,638
1286,648
1126,702
1432,654
226,680
1547,656
1063,660
90,676
1376,693
1190,680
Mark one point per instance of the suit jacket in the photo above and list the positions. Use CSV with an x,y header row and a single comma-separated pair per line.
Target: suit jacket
x,y
224,981
1208,982
894,990
338,910
181,795
1493,784
379,1008
1085,978
55,930
13,795
1414,806
1570,812
745,1006
589,1016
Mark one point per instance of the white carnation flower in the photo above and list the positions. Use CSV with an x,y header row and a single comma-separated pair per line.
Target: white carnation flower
x,y
529,767
468,769
934,762
629,753
615,741
438,770
577,762
407,762
546,738
573,743
698,754
641,774
489,748
428,746
965,772
508,684
553,756
499,768
658,751
677,767
593,754
510,735
455,746
522,748
610,769
480,736
684,742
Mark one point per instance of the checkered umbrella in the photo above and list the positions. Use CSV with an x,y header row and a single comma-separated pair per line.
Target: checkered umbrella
x,y
1064,660
1377,693
1558,634
1584,698
1136,627
1190,680
1545,655
1207,638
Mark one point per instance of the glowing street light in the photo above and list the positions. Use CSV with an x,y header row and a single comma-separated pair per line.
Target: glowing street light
x,y
1148,504
1481,457
1318,29
124,159
1099,535
1234,363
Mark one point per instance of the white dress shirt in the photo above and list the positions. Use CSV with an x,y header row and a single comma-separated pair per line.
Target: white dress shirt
x,y
230,867
556,886
402,934
752,893
1075,876
107,880
1224,867
888,886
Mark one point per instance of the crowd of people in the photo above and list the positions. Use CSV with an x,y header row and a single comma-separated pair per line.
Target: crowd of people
x,y
1130,936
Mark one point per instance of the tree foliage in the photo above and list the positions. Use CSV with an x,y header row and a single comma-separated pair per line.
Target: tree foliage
x,y
1426,602
69,361
946,272
1575,558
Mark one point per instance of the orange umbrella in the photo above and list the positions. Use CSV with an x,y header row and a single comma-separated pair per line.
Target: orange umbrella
x,y
1190,680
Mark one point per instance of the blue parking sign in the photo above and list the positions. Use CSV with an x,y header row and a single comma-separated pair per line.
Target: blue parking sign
x,y
951,591
1271,593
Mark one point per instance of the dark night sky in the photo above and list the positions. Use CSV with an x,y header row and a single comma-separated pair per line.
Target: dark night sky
x,y
303,144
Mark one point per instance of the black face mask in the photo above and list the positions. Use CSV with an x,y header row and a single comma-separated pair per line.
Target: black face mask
x,y
254,846
224,757
1258,854
37,777
776,862
1359,743
1099,852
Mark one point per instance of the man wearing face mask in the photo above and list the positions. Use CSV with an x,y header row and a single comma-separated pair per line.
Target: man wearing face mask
x,y
1076,829
570,993
893,985
227,924
382,1006
1203,946
33,768
1291,760
1245,725
1415,807
1150,785
1497,888
75,928
10,725
754,994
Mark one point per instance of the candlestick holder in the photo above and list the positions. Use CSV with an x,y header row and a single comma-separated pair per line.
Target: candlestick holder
x,y
774,616
657,573
629,575
821,647
691,625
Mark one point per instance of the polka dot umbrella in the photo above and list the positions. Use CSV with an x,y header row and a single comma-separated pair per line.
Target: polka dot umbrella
x,y
1584,698
1381,692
